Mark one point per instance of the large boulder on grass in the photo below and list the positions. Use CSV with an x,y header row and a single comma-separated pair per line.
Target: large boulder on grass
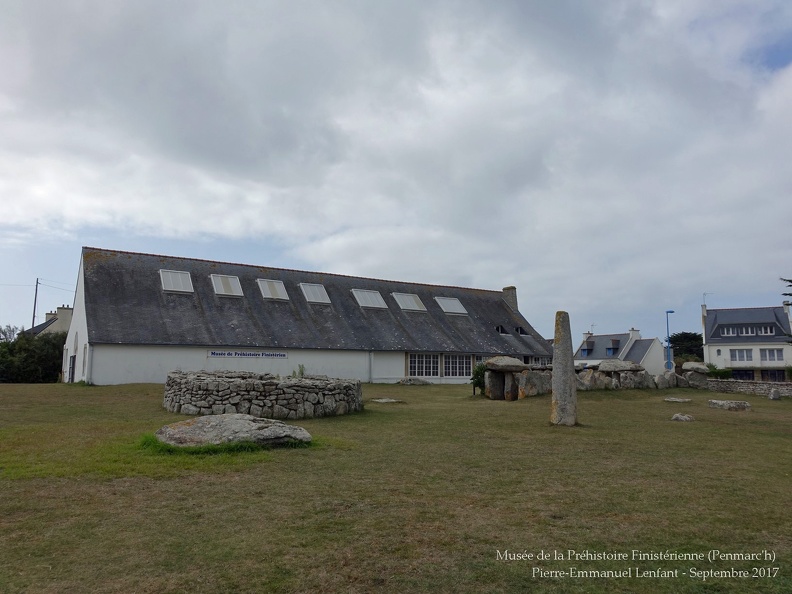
x,y
231,428
503,363
695,366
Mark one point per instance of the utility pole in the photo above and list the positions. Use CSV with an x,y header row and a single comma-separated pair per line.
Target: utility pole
x,y
35,299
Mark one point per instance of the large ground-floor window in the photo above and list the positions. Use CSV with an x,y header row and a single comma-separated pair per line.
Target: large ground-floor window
x,y
743,374
773,375
457,366
422,365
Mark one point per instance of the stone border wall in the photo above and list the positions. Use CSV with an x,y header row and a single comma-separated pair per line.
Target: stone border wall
x,y
732,386
260,395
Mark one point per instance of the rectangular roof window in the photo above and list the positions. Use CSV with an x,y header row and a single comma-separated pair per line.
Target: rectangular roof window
x,y
366,298
226,285
409,301
272,289
451,305
176,280
314,293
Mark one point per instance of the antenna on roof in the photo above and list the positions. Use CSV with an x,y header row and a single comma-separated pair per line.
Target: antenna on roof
x,y
591,331
704,297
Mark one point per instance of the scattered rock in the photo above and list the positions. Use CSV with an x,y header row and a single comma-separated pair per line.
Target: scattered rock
x,y
672,399
533,383
730,404
231,428
414,381
386,400
682,417
696,379
592,379
774,394
695,366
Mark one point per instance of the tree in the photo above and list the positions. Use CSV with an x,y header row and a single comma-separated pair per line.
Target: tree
x,y
688,346
788,281
32,359
8,333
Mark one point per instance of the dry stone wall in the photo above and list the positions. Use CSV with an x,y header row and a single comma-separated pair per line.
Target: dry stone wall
x,y
260,395
730,386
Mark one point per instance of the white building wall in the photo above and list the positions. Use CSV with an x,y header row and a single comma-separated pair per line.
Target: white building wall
x,y
720,356
655,359
77,337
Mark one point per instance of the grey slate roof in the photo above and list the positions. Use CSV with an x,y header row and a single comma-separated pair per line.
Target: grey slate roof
x,y
39,328
638,350
749,316
125,304
602,342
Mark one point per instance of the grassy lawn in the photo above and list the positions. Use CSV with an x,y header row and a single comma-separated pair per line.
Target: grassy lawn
x,y
418,496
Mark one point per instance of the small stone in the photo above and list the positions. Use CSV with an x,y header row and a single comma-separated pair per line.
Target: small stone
x,y
775,394
682,417
672,399
386,400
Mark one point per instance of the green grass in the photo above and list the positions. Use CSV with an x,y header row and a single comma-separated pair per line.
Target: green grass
x,y
406,497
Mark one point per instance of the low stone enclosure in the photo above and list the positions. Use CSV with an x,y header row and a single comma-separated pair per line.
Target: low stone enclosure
x,y
507,378
260,395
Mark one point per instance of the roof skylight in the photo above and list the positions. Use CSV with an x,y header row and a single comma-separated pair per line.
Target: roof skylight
x,y
176,281
314,293
226,285
272,289
366,298
451,305
409,301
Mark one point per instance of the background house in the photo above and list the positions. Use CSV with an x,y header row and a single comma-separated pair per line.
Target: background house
x,y
138,316
629,346
752,342
55,321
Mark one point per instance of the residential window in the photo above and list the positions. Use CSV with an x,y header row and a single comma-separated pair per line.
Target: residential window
x,y
501,330
314,293
773,375
176,281
366,298
226,285
585,352
409,301
451,305
747,331
421,365
457,366
741,354
521,331
771,354
272,289
728,331
480,359
611,351
743,374
767,330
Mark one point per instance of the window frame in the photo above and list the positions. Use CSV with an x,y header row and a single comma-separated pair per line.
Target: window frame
x,y
361,295
173,274
306,287
261,283
233,284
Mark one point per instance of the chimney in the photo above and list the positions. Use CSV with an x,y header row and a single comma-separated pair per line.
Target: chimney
x,y
49,316
587,335
635,334
786,307
510,297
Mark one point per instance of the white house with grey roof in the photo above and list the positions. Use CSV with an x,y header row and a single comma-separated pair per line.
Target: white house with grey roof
x,y
629,346
138,316
753,341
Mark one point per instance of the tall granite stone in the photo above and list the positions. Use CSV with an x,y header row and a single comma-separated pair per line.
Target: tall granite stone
x,y
494,384
564,411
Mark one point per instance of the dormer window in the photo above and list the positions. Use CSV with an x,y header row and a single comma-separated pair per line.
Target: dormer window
x,y
227,286
728,331
767,330
521,331
314,293
501,330
176,281
747,331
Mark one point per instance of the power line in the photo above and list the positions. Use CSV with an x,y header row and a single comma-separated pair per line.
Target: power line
x,y
59,288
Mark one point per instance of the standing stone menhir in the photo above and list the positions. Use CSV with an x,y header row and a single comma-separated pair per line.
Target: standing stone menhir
x,y
564,410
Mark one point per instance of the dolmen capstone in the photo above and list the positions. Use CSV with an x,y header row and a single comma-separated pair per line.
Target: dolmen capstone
x,y
507,378
564,401
231,428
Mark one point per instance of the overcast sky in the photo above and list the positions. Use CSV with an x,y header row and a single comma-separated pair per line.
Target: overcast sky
x,y
613,159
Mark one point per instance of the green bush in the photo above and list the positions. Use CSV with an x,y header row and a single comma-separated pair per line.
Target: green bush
x,y
716,373
478,377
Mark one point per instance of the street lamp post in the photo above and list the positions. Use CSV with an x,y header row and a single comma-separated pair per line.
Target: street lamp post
x,y
669,364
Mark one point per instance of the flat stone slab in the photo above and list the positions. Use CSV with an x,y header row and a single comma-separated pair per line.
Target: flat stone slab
x,y
503,363
386,400
694,366
231,428
682,417
730,404
672,399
